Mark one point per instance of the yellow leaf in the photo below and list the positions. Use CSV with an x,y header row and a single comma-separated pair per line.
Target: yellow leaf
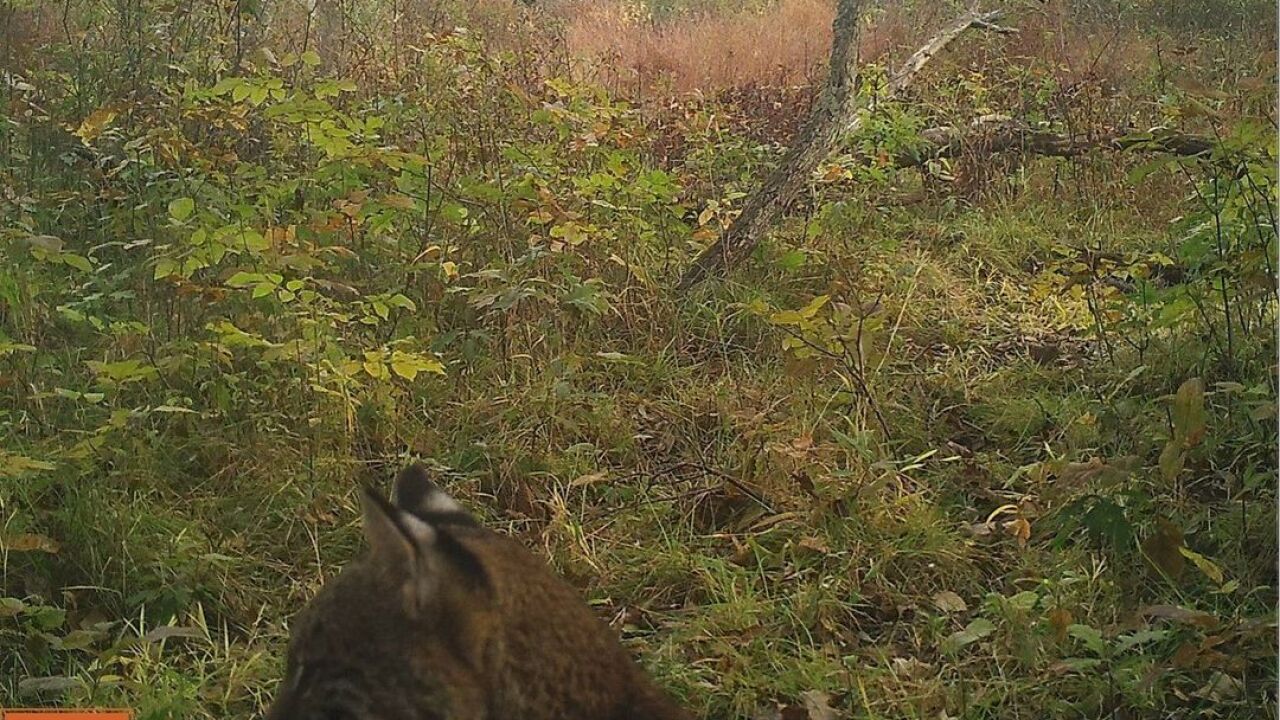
x,y
406,370
376,369
1206,566
92,126
12,466
409,365
786,317
1007,508
814,306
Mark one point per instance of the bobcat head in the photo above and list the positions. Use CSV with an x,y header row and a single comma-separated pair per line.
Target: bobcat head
x,y
445,620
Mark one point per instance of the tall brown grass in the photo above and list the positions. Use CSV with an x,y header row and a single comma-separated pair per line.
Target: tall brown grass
x,y
784,44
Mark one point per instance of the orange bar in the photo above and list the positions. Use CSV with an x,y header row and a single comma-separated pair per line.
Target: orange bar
x,y
50,714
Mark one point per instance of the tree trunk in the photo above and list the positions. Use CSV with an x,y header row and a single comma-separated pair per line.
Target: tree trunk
x,y
815,142
832,116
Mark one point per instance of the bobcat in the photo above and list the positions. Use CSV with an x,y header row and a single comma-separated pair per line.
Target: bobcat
x,y
445,620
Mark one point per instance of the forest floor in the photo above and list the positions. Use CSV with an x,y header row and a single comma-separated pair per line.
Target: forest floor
x,y
995,438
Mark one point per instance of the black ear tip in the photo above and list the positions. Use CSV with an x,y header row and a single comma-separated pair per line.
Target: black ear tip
x,y
415,469
413,485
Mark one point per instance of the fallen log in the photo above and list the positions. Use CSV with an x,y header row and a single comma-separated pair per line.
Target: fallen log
x,y
996,133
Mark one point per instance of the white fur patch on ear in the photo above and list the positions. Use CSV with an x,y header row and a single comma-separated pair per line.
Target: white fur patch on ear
x,y
437,500
415,493
421,533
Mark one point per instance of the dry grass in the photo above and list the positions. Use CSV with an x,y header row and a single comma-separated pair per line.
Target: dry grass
x,y
780,46
785,44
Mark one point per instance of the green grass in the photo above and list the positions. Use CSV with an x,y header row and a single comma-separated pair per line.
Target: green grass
x,y
734,509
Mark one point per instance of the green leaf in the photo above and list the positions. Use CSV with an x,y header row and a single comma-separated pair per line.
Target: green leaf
x,y
1172,459
453,212
244,279
10,606
123,370
1141,172
973,632
7,348
1025,600
1091,638
792,260
1079,665
400,301
1124,643
164,268
47,618
253,240
79,640
181,208
78,262
225,85
310,58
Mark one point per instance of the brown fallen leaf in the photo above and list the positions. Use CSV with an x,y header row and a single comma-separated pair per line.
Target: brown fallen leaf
x,y
1019,528
1162,549
1221,687
1184,657
815,544
29,542
949,602
589,479
1060,619
1196,618
910,668
817,705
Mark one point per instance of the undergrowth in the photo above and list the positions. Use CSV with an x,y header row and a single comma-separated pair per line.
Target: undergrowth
x,y
1006,449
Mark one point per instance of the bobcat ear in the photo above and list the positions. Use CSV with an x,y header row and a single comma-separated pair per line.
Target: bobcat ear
x,y
415,493
422,554
394,536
